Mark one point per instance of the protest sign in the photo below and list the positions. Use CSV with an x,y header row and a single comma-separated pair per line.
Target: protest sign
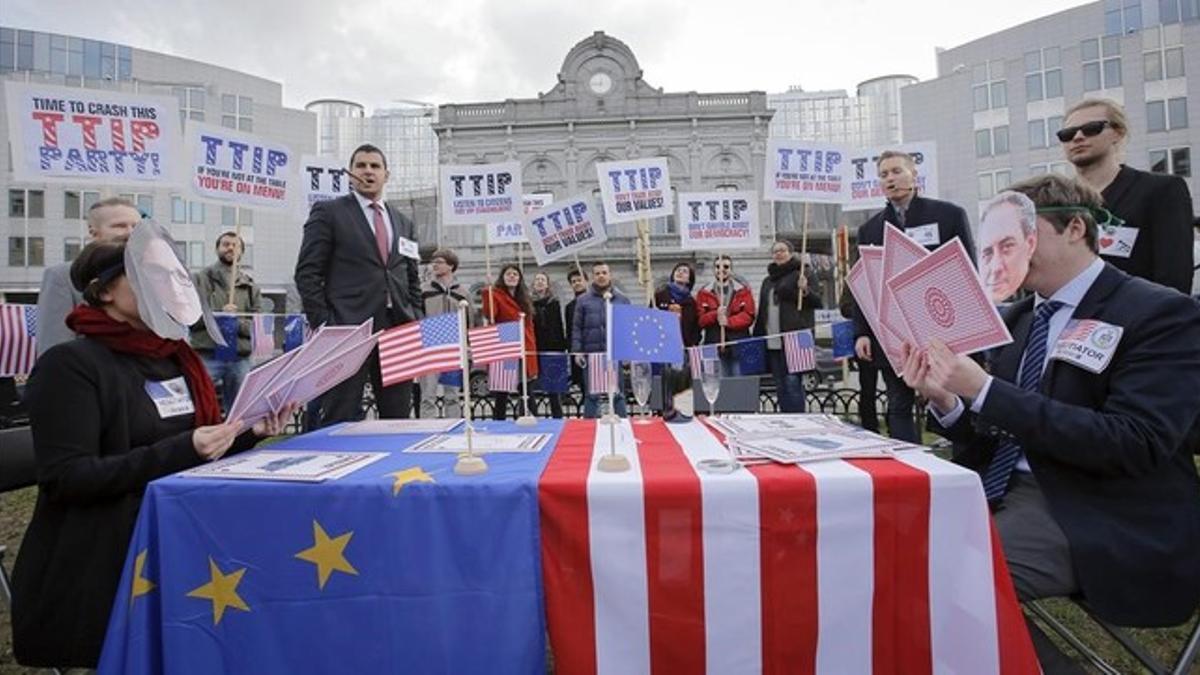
x,y
321,179
633,189
232,166
514,232
718,220
865,191
478,194
79,135
562,229
805,171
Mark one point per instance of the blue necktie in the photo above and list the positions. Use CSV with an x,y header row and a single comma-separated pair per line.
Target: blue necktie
x,y
995,479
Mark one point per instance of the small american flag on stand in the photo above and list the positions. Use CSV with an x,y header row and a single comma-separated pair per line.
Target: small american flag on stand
x,y
18,332
800,351
698,355
599,379
496,342
502,376
414,349
262,337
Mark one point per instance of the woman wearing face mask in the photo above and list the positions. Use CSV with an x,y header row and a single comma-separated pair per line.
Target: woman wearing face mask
x,y
777,313
109,413
505,301
548,329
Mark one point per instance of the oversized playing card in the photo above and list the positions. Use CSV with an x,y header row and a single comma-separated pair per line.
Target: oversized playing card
x,y
899,253
940,297
859,282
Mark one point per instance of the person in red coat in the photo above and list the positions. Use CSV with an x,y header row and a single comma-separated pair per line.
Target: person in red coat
x,y
504,301
726,303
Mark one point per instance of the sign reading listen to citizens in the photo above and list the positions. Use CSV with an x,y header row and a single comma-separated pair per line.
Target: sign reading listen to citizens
x,y
563,228
865,190
513,232
61,133
632,189
233,166
715,221
804,171
322,179
478,194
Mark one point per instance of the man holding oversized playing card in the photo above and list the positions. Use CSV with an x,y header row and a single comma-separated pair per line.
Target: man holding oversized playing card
x,y
930,223
1083,431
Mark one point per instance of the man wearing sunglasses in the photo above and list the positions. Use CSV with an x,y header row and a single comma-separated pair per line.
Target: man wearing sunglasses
x,y
1154,241
726,312
929,222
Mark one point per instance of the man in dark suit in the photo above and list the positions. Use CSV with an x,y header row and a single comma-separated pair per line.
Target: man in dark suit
x,y
358,260
1083,432
929,222
1155,241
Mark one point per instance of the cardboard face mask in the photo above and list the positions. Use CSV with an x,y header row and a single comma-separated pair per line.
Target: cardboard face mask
x,y
167,300
1006,242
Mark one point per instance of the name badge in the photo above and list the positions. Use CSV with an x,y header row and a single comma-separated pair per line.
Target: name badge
x,y
171,397
925,235
1087,343
1117,242
408,248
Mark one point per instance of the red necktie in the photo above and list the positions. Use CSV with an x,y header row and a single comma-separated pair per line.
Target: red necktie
x,y
381,233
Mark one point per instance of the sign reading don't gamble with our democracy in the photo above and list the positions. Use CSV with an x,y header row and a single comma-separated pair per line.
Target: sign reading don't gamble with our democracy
x,y
562,229
232,166
715,221
805,171
633,189
60,133
478,194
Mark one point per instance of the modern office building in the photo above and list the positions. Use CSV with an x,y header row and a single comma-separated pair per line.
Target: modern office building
x,y
997,101
871,117
44,224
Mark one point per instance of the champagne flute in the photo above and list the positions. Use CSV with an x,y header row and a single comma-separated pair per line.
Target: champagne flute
x,y
710,382
641,377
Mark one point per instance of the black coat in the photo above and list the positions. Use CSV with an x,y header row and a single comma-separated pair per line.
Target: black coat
x,y
339,275
689,318
1112,452
98,440
1161,209
548,325
790,318
952,222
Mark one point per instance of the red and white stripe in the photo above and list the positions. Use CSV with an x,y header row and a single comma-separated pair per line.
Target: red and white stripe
x,y
18,342
863,566
404,356
488,346
502,376
600,380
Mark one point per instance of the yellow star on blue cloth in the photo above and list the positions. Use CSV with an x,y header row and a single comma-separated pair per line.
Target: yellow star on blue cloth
x,y
648,344
141,585
222,590
411,475
327,554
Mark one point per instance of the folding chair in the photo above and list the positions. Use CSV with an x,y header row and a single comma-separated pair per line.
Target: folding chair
x,y
1183,662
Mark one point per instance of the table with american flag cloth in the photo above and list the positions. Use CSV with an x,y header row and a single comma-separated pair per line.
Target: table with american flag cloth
x,y
859,566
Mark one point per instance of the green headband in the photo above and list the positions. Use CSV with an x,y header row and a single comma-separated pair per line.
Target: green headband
x,y
1102,216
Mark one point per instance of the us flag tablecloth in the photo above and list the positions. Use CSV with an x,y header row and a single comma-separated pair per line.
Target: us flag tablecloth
x,y
862,566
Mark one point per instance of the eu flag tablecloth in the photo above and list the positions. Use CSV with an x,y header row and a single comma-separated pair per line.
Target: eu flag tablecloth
x,y
401,566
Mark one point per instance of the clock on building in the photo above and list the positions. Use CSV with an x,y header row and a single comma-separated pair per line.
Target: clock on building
x,y
600,83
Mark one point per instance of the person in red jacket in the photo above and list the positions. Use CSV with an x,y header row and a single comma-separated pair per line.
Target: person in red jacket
x,y
504,301
726,308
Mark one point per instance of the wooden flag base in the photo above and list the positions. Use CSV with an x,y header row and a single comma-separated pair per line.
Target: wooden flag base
x,y
470,465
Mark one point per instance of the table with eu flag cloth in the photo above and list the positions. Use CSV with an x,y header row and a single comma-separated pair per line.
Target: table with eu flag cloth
x,y
856,566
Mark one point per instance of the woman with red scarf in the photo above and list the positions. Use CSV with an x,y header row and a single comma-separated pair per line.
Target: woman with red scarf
x,y
505,301
109,413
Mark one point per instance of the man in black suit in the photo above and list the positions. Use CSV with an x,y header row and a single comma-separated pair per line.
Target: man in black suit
x,y
929,222
1155,241
358,260
1083,433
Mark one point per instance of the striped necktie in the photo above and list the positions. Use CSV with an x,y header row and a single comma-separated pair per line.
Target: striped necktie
x,y
998,473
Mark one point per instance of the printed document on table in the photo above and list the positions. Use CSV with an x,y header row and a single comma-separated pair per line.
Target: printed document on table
x,y
309,466
482,443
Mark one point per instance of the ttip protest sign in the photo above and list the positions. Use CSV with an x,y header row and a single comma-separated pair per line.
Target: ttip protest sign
x,y
865,191
322,179
514,232
562,229
805,171
634,189
61,133
478,194
232,166
715,221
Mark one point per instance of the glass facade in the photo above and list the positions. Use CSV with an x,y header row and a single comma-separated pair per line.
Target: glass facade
x,y
870,118
404,133
64,55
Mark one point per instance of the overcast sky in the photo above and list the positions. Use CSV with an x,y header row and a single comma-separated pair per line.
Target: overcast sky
x,y
375,51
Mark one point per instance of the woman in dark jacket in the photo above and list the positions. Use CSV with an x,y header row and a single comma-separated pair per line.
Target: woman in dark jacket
x,y
676,296
109,413
549,329
777,313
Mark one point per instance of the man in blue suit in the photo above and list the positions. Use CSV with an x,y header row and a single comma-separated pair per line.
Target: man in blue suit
x,y
1083,433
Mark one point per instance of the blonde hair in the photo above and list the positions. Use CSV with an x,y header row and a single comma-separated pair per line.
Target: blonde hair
x,y
1112,111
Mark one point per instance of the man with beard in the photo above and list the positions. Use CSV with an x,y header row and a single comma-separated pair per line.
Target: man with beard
x,y
1155,238
212,284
